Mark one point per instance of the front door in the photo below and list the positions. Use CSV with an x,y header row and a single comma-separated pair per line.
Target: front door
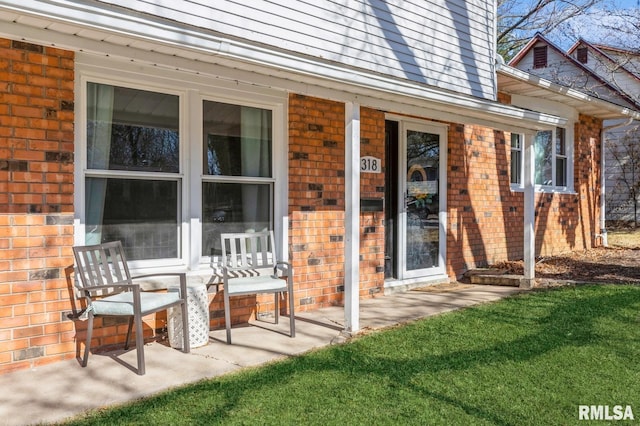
x,y
418,221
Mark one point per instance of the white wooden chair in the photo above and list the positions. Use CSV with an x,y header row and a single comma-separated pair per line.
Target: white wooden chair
x,y
109,290
249,266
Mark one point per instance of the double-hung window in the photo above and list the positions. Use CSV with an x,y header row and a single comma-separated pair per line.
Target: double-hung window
x,y
166,183
132,179
553,160
237,183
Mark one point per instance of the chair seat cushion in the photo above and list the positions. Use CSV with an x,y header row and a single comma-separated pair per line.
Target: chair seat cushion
x,y
122,303
257,284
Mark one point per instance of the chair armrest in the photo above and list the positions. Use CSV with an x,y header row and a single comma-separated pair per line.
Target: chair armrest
x,y
95,288
285,267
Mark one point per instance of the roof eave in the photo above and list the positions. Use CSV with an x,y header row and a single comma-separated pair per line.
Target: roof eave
x,y
604,109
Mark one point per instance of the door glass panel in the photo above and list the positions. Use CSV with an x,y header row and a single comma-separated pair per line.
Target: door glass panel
x,y
422,200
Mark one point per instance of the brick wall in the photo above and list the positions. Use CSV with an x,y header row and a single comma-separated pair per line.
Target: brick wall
x,y
570,221
316,201
36,204
486,217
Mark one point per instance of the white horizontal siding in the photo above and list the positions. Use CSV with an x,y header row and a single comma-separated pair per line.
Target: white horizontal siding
x,y
447,44
609,71
630,61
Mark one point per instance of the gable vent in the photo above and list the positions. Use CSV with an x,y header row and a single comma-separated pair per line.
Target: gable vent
x,y
581,53
540,57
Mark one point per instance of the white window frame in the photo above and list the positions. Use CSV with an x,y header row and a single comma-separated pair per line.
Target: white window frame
x,y
192,89
568,156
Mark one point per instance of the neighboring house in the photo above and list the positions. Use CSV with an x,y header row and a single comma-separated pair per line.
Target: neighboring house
x,y
381,141
608,73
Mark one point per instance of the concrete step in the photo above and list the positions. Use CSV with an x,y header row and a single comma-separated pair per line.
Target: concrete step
x,y
489,276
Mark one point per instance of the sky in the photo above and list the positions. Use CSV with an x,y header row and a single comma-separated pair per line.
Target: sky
x,y
604,28
625,4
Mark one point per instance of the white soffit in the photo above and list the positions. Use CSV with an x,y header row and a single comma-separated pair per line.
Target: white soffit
x,y
111,31
514,81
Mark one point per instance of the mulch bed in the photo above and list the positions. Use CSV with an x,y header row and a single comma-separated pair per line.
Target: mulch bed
x,y
602,265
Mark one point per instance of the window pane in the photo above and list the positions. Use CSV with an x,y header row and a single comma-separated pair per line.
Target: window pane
x,y
130,129
143,214
515,141
560,141
544,160
237,140
233,207
561,172
516,159
516,167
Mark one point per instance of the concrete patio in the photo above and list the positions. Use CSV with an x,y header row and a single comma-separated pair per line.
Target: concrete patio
x,y
54,392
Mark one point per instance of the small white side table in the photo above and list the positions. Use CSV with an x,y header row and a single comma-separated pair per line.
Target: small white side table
x,y
198,311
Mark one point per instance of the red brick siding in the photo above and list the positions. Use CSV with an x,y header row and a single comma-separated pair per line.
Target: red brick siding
x,y
567,222
504,98
372,223
36,204
316,201
486,217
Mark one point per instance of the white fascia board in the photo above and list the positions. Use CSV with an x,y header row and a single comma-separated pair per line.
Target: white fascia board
x,y
269,62
569,93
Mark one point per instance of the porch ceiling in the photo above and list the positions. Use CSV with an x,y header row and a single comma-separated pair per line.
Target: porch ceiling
x,y
514,81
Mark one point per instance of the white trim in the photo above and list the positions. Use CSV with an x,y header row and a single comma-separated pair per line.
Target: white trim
x,y
442,131
352,218
570,160
193,220
529,249
566,94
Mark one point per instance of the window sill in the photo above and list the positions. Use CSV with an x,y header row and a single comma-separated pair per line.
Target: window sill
x,y
546,189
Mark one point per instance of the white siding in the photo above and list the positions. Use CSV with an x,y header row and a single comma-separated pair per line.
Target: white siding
x,y
611,72
630,60
444,43
621,157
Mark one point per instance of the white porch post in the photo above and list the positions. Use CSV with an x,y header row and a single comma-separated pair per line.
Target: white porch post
x,y
352,218
529,212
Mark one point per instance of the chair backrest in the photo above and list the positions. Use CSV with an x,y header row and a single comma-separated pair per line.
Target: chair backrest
x,y
101,264
248,250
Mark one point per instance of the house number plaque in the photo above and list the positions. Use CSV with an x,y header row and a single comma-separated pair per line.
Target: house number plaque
x,y
370,164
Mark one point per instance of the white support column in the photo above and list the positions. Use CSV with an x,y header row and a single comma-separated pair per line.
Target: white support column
x,y
529,212
352,218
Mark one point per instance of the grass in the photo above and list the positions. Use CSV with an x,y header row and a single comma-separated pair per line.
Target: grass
x,y
624,238
526,360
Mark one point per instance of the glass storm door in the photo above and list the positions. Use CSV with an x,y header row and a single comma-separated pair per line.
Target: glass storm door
x,y
422,200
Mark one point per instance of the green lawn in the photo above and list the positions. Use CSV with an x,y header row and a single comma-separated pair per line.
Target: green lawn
x,y
526,360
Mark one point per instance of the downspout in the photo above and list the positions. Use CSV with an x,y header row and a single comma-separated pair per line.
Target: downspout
x,y
603,220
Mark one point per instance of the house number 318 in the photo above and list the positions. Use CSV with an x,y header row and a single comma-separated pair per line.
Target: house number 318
x,y
370,164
